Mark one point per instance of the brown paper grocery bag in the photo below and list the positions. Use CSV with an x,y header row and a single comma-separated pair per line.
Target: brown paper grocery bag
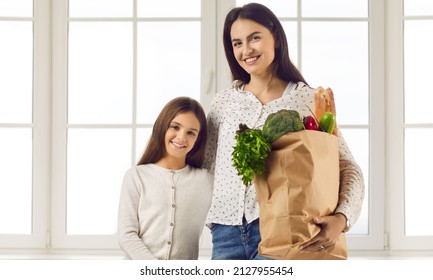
x,y
302,182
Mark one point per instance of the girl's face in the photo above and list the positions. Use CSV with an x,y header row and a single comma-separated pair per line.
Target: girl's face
x,y
181,135
253,46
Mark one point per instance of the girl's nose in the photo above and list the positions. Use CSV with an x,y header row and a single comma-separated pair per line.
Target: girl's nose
x,y
181,135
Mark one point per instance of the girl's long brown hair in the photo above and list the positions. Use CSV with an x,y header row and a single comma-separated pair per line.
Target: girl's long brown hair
x,y
155,148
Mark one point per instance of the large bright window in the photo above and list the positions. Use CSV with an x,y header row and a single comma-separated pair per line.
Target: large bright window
x,y
81,83
411,127
418,118
16,111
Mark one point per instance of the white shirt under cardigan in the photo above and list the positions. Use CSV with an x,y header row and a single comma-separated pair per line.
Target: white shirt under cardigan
x,y
162,212
231,199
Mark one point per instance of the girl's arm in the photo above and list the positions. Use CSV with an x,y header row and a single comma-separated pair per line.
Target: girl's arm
x,y
128,224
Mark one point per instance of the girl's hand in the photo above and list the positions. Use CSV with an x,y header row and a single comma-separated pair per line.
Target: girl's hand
x,y
331,228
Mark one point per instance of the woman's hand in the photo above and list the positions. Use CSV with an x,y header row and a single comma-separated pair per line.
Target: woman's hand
x,y
331,227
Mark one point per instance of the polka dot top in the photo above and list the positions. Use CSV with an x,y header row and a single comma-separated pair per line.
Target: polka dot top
x,y
231,198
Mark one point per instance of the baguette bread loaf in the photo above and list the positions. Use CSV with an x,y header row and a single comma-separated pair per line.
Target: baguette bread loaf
x,y
324,102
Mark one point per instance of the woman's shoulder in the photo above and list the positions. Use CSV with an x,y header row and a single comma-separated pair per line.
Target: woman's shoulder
x,y
228,91
303,87
227,96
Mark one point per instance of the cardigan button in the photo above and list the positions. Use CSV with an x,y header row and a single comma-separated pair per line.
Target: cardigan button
x,y
169,242
173,205
171,224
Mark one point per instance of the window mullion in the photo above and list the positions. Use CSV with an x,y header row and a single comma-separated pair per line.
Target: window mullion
x,y
59,27
41,121
395,159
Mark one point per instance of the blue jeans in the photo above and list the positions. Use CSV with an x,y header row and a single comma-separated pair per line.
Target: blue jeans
x,y
236,242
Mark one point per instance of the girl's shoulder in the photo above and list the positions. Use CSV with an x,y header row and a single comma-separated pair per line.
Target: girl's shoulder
x,y
202,173
142,169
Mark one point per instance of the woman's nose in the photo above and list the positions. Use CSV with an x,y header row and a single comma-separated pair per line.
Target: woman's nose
x,y
248,50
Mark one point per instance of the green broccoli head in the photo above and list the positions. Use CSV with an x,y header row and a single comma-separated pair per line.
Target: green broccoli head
x,y
279,123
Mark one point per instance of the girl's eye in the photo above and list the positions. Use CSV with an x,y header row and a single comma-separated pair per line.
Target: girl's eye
x,y
255,38
192,133
176,127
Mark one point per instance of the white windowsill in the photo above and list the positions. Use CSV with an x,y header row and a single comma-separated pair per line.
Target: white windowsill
x,y
22,254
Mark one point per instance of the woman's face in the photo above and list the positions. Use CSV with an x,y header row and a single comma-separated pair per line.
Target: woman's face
x,y
253,46
181,135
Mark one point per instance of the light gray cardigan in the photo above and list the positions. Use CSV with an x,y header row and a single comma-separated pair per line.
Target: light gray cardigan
x,y
162,212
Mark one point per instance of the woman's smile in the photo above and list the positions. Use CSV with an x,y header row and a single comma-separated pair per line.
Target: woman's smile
x,y
251,60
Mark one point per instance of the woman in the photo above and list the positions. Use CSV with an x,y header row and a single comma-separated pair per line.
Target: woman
x,y
165,198
264,81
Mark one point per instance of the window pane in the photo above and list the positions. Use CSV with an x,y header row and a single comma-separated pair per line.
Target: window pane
x,y
97,160
16,8
418,7
168,8
100,8
16,72
418,185
357,140
291,30
335,55
16,180
100,72
334,8
143,135
418,58
168,66
287,8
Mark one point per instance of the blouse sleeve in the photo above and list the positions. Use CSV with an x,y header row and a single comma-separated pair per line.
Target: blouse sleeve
x,y
128,223
352,185
212,141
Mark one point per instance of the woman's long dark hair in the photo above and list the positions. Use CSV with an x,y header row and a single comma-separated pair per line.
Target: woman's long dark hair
x,y
281,67
155,149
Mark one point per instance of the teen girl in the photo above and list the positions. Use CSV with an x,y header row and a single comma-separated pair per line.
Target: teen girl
x,y
165,198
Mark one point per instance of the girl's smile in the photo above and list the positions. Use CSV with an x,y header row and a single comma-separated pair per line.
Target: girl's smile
x,y
178,145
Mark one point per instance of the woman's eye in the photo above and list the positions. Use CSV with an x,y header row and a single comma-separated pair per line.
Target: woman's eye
x,y
192,133
176,127
255,38
236,44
